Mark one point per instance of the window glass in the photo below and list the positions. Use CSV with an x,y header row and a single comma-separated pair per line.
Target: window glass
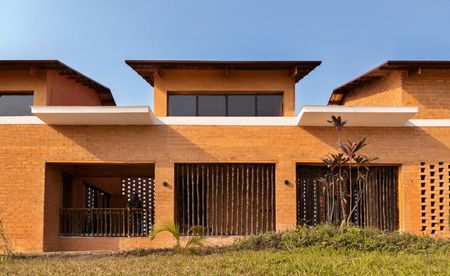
x,y
269,105
241,105
225,105
209,105
15,105
182,105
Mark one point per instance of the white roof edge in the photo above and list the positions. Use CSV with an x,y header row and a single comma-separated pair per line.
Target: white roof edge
x,y
228,121
90,109
428,123
34,120
357,115
94,115
20,120
399,116
356,109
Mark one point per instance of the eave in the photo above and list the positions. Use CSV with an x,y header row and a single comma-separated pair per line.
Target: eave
x,y
309,116
94,115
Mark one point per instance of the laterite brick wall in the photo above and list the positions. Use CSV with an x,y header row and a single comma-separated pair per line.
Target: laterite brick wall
x,y
427,89
30,195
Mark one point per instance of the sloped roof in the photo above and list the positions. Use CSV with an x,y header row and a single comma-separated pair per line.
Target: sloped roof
x,y
339,93
148,68
103,91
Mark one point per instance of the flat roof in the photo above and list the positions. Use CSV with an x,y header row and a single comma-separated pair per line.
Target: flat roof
x,y
372,116
94,115
148,68
366,116
339,93
103,91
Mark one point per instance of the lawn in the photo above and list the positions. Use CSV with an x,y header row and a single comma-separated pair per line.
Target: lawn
x,y
310,260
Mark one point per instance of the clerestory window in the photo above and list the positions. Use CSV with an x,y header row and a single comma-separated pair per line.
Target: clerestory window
x,y
15,104
225,105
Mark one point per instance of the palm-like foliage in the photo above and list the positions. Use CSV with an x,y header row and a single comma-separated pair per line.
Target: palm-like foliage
x,y
351,149
198,235
171,227
197,232
338,181
337,122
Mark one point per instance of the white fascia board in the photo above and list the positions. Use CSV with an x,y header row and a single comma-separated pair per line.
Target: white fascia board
x,y
227,121
373,116
428,123
20,120
94,115
142,115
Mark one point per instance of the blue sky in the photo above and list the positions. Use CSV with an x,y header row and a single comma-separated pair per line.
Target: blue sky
x,y
350,37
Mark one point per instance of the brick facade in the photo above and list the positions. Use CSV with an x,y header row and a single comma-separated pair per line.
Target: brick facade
x,y
30,195
428,90
30,182
386,91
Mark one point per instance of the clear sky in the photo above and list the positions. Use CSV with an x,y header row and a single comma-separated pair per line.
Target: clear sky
x,y
350,37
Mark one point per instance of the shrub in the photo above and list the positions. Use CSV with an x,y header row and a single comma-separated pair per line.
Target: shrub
x,y
328,236
5,245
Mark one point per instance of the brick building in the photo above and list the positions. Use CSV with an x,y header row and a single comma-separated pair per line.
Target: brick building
x,y
223,148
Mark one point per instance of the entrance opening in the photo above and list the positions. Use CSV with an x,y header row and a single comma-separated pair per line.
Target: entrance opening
x,y
105,200
378,206
225,199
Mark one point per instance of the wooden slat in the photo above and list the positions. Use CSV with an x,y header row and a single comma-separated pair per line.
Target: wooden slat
x,y
226,199
378,206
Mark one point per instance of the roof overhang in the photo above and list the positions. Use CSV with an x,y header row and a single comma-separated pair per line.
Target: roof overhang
x,y
94,115
147,69
103,92
370,116
410,66
316,116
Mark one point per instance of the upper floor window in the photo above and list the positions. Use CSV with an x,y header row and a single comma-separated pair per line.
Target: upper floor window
x,y
15,104
225,105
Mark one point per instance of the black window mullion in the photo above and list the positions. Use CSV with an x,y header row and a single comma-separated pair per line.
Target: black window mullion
x,y
196,105
226,105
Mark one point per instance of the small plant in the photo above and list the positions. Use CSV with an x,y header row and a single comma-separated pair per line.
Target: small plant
x,y
5,245
194,242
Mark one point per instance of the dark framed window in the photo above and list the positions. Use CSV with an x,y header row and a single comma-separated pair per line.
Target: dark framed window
x,y
212,105
15,104
225,105
241,105
182,105
269,105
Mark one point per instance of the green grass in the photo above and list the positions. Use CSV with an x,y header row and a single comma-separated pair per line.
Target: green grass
x,y
310,260
324,250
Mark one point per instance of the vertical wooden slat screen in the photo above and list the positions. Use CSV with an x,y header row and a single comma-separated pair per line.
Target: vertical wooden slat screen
x,y
226,198
377,208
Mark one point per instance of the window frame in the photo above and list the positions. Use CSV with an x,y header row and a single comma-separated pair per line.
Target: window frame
x,y
226,94
18,93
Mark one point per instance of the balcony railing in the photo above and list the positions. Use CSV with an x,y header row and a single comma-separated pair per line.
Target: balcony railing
x,y
103,222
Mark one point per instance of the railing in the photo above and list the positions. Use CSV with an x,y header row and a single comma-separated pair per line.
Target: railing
x,y
103,222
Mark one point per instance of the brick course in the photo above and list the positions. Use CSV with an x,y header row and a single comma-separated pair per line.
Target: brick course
x,y
30,195
427,89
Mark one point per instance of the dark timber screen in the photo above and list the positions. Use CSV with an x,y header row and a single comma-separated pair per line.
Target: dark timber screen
x,y
378,206
225,199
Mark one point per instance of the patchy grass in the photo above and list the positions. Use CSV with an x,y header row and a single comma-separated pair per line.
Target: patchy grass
x,y
310,260
328,236
321,250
